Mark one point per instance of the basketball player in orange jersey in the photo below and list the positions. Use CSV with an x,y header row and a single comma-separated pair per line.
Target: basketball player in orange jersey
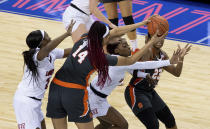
x,y
126,12
39,67
141,96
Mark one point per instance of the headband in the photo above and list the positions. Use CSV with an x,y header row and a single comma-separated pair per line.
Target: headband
x,y
107,32
42,32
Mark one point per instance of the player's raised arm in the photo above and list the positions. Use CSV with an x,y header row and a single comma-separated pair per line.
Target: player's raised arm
x,y
177,70
131,60
47,48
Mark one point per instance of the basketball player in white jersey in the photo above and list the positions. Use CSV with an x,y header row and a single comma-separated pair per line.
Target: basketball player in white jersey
x,y
39,67
80,11
108,116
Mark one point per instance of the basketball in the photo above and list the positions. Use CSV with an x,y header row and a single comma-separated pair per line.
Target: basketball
x,y
158,22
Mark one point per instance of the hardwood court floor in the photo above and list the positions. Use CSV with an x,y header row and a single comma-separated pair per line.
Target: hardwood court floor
x,y
187,96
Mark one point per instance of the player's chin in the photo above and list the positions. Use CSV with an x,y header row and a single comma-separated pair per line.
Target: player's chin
x,y
158,46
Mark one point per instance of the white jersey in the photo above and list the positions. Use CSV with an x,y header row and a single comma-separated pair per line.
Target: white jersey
x,y
82,4
117,74
28,86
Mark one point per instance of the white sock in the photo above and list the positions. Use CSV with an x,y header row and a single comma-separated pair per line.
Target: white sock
x,y
134,44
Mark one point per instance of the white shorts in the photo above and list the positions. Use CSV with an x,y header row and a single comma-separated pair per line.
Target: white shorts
x,y
99,106
80,18
28,112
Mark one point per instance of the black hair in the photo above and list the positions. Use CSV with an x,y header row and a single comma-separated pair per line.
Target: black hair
x,y
111,48
33,41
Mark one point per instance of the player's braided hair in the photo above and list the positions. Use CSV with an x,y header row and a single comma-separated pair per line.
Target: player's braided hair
x,y
33,41
96,53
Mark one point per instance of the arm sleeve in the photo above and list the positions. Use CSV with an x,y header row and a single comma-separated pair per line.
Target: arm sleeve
x,y
149,64
59,53
112,60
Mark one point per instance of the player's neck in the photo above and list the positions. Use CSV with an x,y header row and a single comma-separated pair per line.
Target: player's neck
x,y
156,51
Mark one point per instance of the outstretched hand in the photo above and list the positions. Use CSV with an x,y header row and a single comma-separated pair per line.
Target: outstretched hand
x,y
184,51
69,30
175,58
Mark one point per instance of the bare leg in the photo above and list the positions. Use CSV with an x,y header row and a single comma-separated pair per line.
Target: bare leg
x,y
88,125
126,10
114,118
60,123
103,124
111,10
43,125
76,35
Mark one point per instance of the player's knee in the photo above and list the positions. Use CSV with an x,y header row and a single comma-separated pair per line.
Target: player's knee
x,y
128,20
114,21
167,117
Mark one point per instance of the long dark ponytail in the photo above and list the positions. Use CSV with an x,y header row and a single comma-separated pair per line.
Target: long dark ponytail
x,y
96,53
33,40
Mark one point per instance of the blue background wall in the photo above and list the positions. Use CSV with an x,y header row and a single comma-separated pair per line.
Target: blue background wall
x,y
189,21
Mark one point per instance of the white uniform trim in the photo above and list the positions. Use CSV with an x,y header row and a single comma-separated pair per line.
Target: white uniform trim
x,y
107,32
42,32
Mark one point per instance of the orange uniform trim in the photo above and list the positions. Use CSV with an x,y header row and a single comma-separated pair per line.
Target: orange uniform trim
x,y
137,80
88,76
85,103
68,85
76,86
132,95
